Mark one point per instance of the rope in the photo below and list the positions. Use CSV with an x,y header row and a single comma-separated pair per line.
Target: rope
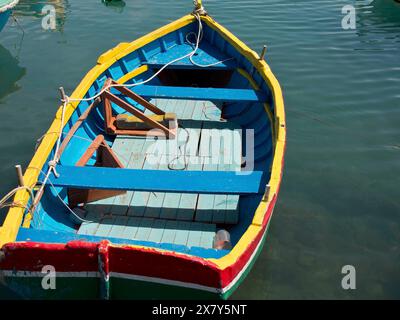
x,y
64,203
67,100
170,165
12,192
189,55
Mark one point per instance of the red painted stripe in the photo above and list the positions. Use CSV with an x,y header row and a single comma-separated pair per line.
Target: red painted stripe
x,y
31,256
83,256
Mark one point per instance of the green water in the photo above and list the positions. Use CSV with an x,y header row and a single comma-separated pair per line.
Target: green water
x,y
339,202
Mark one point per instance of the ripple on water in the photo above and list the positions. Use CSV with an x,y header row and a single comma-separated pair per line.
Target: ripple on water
x,y
339,198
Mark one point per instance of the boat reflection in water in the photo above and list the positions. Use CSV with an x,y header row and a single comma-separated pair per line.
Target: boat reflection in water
x,y
378,16
34,8
10,73
6,7
117,5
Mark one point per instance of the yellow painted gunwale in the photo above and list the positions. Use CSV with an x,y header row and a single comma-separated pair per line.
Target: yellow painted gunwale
x,y
9,230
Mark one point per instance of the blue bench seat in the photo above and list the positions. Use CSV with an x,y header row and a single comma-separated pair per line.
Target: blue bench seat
x,y
202,94
201,182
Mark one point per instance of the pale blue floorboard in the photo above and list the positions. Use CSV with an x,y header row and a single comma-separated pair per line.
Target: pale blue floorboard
x,y
168,217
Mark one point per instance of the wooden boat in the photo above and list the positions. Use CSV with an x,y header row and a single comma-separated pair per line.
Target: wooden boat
x,y
5,11
143,201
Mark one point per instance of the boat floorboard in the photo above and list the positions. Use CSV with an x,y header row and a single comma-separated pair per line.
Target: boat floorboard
x,y
188,219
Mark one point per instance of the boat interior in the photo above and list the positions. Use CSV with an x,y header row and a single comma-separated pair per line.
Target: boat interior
x,y
167,164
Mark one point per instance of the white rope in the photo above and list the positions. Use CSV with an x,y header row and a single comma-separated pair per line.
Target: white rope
x,y
189,55
12,192
61,199
53,163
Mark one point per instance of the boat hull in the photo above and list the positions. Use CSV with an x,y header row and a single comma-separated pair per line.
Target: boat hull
x,y
4,18
111,271
89,285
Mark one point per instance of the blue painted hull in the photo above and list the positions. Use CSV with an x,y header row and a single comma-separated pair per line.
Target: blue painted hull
x,y
4,18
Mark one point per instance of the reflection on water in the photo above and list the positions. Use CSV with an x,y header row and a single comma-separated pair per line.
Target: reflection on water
x,y
10,73
34,8
117,5
380,17
339,201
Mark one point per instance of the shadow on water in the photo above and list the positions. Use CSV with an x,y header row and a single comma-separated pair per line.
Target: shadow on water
x,y
10,73
116,5
339,199
378,17
37,9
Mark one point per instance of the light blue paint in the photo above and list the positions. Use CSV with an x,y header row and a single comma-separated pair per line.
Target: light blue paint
x,y
191,181
192,93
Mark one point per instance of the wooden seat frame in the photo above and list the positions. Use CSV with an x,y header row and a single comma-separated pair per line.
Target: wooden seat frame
x,y
157,129
105,157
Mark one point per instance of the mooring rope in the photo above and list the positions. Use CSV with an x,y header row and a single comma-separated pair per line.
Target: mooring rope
x,y
190,54
66,100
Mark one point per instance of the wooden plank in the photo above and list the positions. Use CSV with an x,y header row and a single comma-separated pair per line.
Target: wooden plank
x,y
210,112
191,181
133,147
121,147
105,227
181,110
193,93
118,227
157,231
182,233
207,235
107,96
169,231
198,110
193,138
220,200
131,228
187,110
89,228
232,201
144,229
139,200
101,207
194,237
188,201
205,204
128,93
156,199
210,141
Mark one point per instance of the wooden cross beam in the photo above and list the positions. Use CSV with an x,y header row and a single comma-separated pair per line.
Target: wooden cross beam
x,y
108,97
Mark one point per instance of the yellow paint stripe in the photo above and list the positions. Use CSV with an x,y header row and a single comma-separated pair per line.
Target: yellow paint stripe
x,y
9,230
245,74
13,220
249,236
133,74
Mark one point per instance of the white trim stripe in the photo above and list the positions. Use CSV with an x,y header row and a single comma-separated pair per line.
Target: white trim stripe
x,y
84,274
9,6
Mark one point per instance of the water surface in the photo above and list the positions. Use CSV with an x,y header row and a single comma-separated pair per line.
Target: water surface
x,y
339,201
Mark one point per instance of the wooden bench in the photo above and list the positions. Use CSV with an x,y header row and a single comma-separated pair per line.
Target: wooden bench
x,y
201,182
203,94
